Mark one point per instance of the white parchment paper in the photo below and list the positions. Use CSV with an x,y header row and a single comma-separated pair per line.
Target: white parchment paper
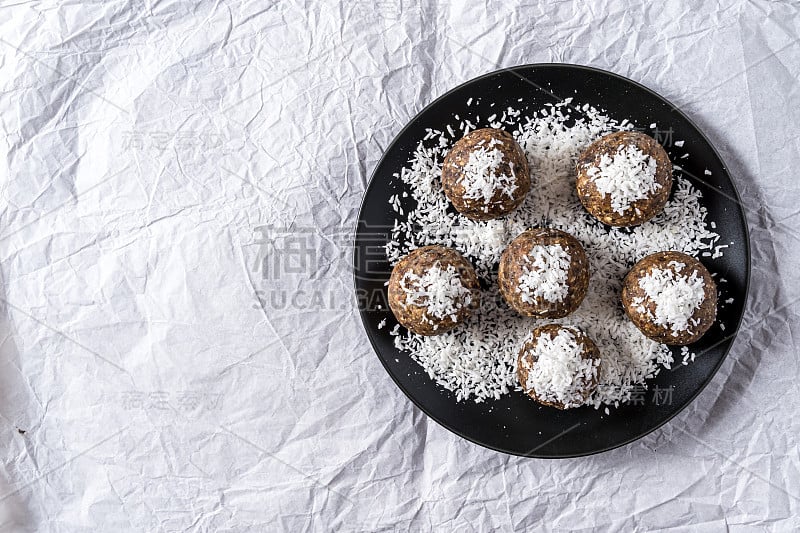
x,y
156,374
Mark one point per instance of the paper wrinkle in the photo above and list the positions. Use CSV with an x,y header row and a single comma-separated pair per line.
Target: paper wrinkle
x,y
153,161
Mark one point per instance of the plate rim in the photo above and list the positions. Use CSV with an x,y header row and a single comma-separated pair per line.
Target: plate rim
x,y
734,334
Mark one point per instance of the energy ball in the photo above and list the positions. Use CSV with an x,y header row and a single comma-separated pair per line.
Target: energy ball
x,y
485,175
544,273
671,297
432,290
558,366
624,178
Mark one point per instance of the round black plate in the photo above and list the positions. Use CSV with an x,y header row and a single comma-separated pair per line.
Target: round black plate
x,y
514,424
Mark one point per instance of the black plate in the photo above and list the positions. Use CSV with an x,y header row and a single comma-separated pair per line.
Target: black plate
x,y
514,424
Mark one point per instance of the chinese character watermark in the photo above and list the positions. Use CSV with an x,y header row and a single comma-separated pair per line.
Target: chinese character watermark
x,y
167,400
182,141
663,395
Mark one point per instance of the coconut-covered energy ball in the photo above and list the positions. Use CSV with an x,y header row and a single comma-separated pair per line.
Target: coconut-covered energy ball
x,y
432,290
671,297
485,175
624,178
544,273
558,366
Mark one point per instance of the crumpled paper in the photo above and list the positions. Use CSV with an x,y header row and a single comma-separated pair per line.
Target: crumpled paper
x,y
180,344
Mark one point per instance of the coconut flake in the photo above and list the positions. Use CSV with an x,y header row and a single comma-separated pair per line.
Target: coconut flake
x,y
676,297
545,274
626,176
482,178
560,373
439,291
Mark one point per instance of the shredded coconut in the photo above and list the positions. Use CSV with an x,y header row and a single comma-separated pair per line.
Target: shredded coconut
x,y
439,291
481,178
478,359
546,277
676,296
560,374
685,354
627,176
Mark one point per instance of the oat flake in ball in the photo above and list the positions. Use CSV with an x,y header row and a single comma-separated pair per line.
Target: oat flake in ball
x,y
624,178
485,175
433,289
